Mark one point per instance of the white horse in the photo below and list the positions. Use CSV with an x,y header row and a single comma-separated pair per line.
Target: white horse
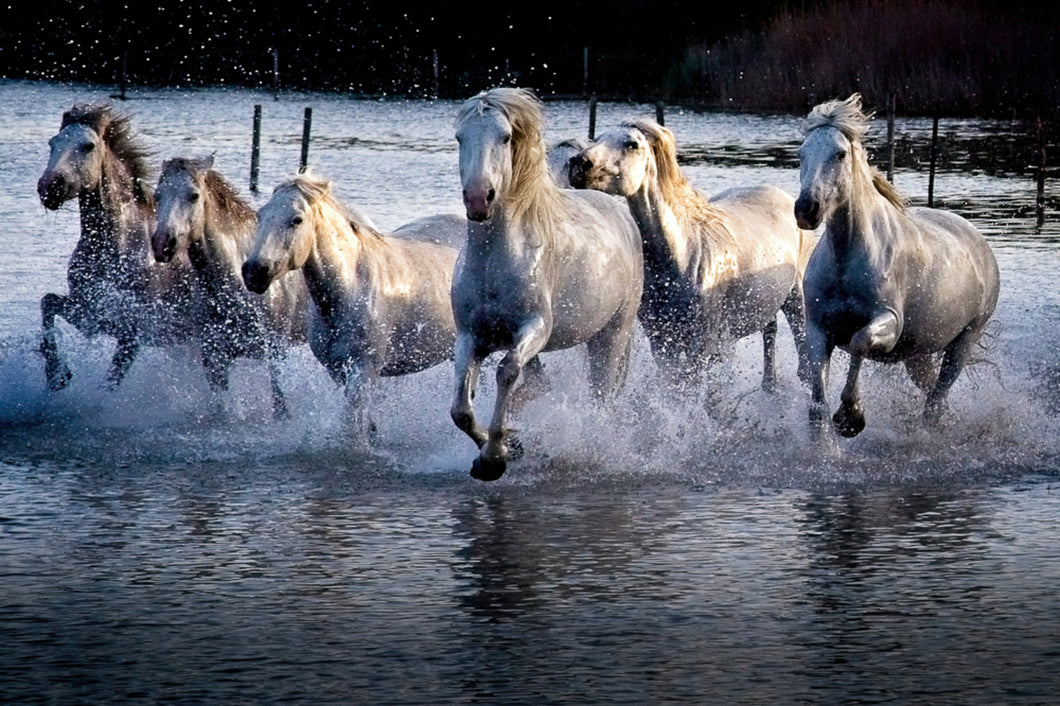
x,y
202,218
382,303
543,268
886,282
714,270
115,286
559,156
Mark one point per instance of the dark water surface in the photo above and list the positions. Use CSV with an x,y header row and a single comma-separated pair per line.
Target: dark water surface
x,y
158,546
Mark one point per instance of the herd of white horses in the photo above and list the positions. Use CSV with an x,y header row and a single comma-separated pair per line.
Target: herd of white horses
x,y
559,248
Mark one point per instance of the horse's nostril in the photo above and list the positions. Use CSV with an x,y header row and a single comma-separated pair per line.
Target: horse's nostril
x,y
490,195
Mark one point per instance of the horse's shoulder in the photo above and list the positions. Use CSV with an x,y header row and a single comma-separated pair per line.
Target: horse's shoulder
x,y
755,196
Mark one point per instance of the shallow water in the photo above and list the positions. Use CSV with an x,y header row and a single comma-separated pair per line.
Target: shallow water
x,y
154,547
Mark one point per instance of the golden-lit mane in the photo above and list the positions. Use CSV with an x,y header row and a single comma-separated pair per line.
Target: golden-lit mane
x,y
848,117
534,200
689,205
115,129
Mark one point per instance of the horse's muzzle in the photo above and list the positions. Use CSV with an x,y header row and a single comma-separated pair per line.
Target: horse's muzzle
x,y
577,171
807,212
53,191
163,247
479,204
256,276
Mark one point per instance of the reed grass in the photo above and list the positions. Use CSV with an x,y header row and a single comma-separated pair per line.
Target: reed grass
x,y
935,56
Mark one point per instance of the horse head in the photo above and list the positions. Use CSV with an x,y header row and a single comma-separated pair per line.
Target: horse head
x,y
501,148
286,231
75,165
619,162
181,197
832,160
94,142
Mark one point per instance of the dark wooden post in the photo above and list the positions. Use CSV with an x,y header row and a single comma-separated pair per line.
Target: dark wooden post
x,y
934,158
890,137
659,113
1039,205
585,72
436,73
592,118
255,149
307,121
276,74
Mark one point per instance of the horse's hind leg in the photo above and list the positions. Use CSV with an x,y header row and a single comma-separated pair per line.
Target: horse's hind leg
x,y
56,371
849,419
953,362
795,314
769,357
128,347
921,370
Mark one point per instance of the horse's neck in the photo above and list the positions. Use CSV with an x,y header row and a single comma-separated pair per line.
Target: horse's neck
x,y
113,223
666,243
332,273
864,228
218,256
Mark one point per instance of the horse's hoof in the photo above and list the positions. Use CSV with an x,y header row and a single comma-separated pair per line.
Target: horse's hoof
x,y
848,423
488,469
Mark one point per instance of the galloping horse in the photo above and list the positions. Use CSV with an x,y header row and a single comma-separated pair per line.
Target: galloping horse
x,y
200,216
886,282
543,268
115,286
381,302
714,270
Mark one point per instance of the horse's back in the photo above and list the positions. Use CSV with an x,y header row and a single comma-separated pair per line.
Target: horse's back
x,y
959,264
449,229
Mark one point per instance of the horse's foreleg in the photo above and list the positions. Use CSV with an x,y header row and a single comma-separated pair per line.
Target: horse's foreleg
x,y
493,458
535,384
467,366
769,357
359,424
818,355
879,336
128,347
795,314
279,400
953,362
608,354
56,371
849,419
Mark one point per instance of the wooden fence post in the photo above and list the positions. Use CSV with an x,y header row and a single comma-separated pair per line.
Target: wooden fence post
x,y
934,158
659,113
255,149
890,137
307,121
592,118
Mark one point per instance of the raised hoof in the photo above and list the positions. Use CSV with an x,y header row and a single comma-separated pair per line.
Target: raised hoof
x,y
848,422
488,469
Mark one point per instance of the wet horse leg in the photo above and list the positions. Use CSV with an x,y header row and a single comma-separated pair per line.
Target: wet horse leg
x,y
953,362
56,371
608,353
467,365
124,354
849,419
818,355
535,384
921,370
493,457
879,336
795,314
769,357
279,400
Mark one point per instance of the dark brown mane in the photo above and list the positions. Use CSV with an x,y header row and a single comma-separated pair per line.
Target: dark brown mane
x,y
115,130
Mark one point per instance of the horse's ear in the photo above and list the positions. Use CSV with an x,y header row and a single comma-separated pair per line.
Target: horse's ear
x,y
208,161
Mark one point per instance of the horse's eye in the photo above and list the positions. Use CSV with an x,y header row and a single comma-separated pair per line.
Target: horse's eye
x,y
296,221
88,147
506,139
841,154
631,146
193,197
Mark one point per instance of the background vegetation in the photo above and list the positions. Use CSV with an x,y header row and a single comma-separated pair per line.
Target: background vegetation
x,y
982,57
